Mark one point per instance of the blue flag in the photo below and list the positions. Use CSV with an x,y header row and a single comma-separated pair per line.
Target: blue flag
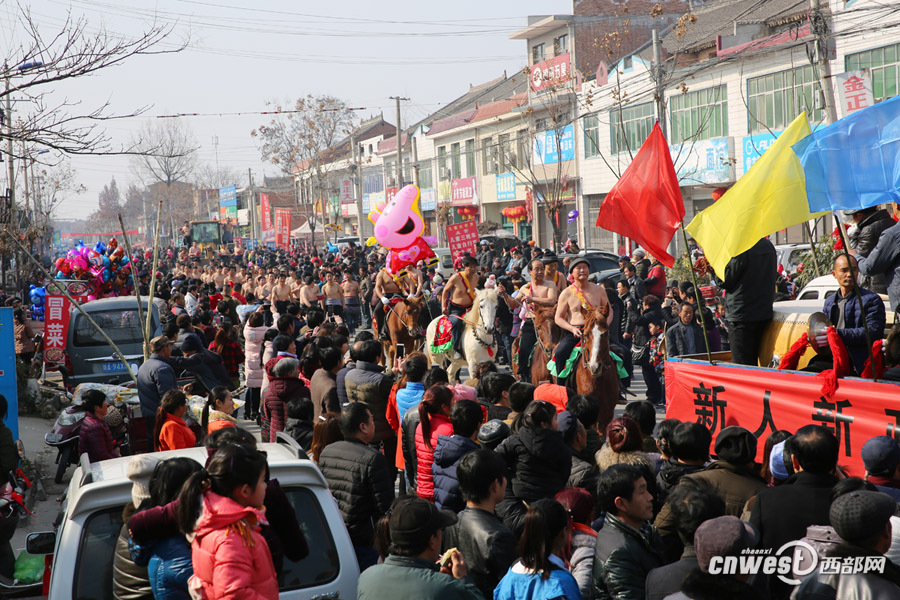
x,y
854,163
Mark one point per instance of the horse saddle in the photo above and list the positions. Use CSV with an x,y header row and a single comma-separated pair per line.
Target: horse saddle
x,y
443,336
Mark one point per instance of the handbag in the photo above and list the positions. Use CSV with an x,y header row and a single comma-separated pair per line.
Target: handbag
x,y
639,354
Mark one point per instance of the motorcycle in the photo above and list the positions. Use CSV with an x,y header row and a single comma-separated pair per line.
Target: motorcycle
x,y
12,506
65,433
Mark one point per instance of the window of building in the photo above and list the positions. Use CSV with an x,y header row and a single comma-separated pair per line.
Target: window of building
x,y
627,63
699,115
488,160
561,45
591,136
455,161
775,100
884,67
426,179
537,53
505,153
542,124
470,158
442,162
629,127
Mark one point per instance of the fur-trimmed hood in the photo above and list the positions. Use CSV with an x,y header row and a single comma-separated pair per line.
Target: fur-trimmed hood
x,y
605,458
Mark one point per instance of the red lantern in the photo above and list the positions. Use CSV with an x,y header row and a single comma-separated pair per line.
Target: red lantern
x,y
467,212
718,193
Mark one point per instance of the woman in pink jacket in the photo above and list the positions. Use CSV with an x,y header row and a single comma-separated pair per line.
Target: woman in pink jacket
x,y
434,420
254,335
230,557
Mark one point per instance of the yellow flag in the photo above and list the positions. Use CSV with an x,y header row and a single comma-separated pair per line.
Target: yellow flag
x,y
768,198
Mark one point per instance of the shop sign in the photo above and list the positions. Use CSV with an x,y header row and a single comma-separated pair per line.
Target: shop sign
x,y
283,227
463,237
755,145
462,191
554,145
347,192
550,72
506,186
428,199
854,91
703,162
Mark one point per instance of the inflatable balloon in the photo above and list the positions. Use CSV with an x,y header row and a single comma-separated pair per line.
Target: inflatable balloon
x,y
398,227
573,216
95,258
63,269
100,248
37,296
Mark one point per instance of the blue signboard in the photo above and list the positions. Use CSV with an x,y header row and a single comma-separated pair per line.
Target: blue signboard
x,y
506,186
545,146
703,162
755,145
365,203
8,370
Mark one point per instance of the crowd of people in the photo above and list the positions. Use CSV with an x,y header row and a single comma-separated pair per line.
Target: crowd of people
x,y
494,487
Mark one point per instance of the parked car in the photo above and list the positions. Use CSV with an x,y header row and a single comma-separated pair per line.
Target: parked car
x,y
89,357
91,518
790,255
445,263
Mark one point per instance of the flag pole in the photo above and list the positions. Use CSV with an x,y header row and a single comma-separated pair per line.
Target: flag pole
x,y
812,246
862,309
700,306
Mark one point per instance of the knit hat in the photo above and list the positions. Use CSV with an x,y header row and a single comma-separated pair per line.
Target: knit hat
x,y
139,471
191,343
860,515
557,395
723,536
881,455
777,465
736,445
463,392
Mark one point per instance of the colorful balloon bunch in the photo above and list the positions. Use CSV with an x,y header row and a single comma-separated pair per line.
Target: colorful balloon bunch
x,y
105,266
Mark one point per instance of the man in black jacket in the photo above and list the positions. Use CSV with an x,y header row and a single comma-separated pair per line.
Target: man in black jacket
x,y
749,283
359,479
870,223
627,547
783,513
685,337
206,365
488,546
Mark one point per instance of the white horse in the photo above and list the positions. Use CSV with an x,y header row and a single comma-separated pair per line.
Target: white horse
x,y
479,335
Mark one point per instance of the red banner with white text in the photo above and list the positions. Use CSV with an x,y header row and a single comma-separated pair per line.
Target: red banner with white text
x,y
56,328
283,228
462,237
765,400
266,212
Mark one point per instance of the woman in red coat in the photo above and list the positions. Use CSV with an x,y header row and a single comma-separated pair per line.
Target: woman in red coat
x,y
172,433
434,415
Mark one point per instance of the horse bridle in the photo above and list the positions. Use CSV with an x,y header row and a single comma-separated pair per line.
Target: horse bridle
x,y
493,334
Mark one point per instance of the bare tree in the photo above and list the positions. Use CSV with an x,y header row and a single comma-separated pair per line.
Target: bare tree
x,y
165,163
306,137
209,176
43,59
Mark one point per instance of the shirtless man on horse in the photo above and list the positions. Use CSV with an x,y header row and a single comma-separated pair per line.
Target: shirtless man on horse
x,y
538,292
552,274
387,286
581,294
457,299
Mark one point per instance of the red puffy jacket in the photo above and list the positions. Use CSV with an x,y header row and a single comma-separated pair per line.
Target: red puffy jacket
x,y
440,425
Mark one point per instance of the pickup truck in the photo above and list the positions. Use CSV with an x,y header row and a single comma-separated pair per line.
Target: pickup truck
x,y
91,517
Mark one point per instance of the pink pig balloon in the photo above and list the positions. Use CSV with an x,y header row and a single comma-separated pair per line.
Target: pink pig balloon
x,y
398,227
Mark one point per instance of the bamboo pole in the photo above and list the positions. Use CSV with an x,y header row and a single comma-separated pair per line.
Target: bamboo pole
x,y
74,302
153,273
862,309
137,289
700,306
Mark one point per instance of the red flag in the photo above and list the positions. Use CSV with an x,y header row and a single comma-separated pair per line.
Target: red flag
x,y
645,204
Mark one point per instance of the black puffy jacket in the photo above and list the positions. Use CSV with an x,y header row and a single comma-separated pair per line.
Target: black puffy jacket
x,y
538,463
489,546
408,425
623,556
583,475
360,481
447,454
749,283
864,240
670,473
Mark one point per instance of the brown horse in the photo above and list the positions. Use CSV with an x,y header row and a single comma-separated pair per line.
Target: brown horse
x,y
402,323
596,373
547,332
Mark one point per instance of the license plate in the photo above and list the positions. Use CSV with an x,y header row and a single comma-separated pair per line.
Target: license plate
x,y
114,367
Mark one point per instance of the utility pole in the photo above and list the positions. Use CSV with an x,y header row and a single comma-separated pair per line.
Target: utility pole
x,y
819,24
357,188
399,139
658,79
11,171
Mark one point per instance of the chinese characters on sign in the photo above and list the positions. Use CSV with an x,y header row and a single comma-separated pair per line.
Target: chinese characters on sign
x,y
854,91
506,186
755,145
282,227
765,400
347,192
228,203
389,193
266,212
462,191
56,329
462,237
550,72
554,145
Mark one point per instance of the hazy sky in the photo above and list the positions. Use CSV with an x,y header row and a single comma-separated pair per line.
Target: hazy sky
x,y
243,53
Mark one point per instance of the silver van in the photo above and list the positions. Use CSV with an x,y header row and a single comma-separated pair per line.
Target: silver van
x,y
89,357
